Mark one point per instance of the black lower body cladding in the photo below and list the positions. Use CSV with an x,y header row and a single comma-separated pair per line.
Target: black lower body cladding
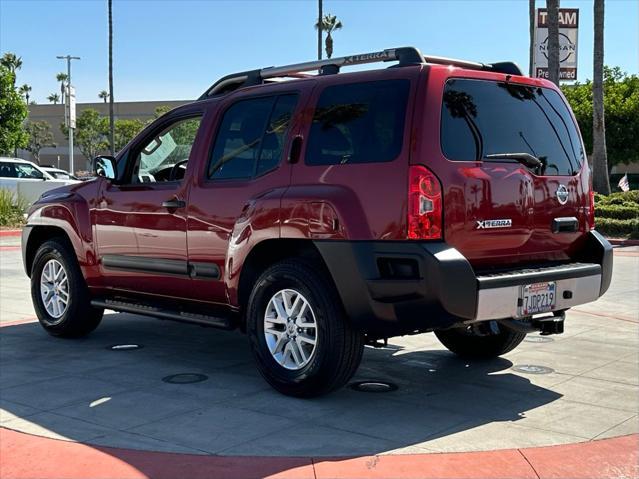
x,y
390,288
396,287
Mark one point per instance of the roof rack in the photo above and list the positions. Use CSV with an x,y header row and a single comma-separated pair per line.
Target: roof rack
x,y
406,56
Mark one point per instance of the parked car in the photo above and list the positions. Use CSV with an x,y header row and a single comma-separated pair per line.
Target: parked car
x,y
58,173
27,179
320,213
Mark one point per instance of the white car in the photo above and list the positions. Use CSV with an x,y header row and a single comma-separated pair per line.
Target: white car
x,y
58,173
27,179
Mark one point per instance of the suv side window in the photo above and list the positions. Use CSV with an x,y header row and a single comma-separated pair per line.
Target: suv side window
x,y
156,159
358,123
251,137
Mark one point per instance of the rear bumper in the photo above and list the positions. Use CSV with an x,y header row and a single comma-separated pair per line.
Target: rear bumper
x,y
390,288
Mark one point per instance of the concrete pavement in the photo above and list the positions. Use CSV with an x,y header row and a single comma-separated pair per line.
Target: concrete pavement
x,y
82,391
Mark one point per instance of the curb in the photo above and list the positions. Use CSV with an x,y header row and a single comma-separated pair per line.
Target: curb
x,y
4,233
28,456
623,242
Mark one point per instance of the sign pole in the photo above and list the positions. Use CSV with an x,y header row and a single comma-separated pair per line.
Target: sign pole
x,y
70,107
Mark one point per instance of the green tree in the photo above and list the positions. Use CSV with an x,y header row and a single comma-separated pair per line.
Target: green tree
x,y
552,7
40,136
13,112
125,131
329,24
600,180
103,95
54,98
12,62
89,135
25,90
621,103
62,78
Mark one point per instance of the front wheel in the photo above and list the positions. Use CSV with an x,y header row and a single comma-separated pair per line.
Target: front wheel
x,y
299,334
484,343
59,293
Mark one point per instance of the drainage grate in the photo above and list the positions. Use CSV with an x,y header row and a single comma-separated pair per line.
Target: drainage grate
x,y
185,378
538,339
374,386
124,347
532,369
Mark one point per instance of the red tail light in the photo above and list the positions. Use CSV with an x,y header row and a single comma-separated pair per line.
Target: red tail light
x,y
424,204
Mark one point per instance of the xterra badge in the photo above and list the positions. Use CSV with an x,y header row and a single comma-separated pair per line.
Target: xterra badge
x,y
485,224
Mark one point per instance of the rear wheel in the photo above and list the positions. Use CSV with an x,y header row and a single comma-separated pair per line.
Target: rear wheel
x,y
488,341
299,334
59,293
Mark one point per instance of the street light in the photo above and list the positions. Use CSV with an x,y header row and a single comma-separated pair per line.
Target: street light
x,y
71,124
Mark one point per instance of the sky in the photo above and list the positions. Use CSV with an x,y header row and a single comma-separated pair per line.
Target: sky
x,y
174,49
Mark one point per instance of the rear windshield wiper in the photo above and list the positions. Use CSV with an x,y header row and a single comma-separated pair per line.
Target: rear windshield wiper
x,y
526,159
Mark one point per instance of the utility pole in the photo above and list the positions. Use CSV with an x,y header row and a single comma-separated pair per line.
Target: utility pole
x,y
319,30
111,121
71,124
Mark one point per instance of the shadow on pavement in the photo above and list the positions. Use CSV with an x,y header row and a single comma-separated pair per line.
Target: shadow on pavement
x,y
83,391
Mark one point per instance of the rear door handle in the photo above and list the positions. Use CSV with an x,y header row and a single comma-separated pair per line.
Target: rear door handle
x,y
174,204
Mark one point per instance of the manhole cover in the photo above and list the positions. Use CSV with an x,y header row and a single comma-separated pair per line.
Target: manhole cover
x,y
538,339
532,369
185,378
374,386
124,347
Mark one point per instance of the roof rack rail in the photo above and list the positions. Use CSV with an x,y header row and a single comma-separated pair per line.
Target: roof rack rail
x,y
509,68
404,55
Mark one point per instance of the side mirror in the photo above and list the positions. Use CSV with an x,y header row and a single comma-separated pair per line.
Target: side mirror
x,y
105,167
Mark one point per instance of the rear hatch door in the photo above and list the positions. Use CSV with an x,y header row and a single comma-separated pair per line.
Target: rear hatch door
x,y
511,165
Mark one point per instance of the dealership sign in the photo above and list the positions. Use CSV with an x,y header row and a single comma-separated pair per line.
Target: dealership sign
x,y
568,28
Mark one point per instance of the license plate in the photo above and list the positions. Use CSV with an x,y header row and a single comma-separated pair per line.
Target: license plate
x,y
537,298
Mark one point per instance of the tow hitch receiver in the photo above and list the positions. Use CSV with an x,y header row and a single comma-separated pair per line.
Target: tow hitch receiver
x,y
551,325
545,325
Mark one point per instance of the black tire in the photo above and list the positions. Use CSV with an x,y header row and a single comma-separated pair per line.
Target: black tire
x,y
339,347
79,318
468,344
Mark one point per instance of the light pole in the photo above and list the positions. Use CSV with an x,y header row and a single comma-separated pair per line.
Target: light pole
x,y
319,29
71,125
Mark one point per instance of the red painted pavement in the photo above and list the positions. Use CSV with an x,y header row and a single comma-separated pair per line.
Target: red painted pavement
x,y
10,233
26,457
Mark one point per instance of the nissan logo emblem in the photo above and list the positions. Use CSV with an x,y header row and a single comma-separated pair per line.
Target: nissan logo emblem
x,y
562,194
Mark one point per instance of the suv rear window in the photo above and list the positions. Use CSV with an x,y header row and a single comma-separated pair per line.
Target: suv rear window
x,y
481,117
358,123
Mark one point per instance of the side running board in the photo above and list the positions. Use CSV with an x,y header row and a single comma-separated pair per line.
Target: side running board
x,y
125,306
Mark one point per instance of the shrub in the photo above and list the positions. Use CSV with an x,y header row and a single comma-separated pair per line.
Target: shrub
x,y
625,211
618,228
12,208
618,198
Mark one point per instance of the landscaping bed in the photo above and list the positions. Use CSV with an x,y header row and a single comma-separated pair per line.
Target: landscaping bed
x,y
617,215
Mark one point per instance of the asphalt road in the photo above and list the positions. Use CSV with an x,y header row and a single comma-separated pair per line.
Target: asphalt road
x,y
569,388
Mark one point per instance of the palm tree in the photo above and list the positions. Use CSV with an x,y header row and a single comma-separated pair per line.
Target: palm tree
x,y
25,90
62,78
329,24
54,98
531,32
601,182
553,40
103,95
11,61
111,120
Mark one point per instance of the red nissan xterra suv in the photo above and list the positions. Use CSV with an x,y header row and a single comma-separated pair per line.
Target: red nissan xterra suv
x,y
320,212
